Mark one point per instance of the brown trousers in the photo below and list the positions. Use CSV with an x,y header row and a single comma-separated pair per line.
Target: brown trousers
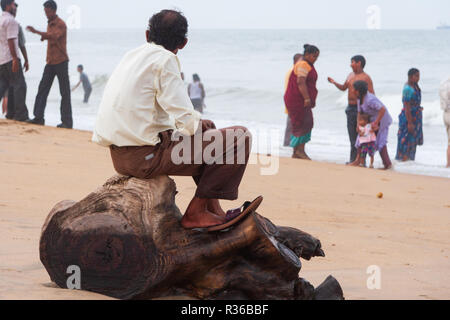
x,y
214,180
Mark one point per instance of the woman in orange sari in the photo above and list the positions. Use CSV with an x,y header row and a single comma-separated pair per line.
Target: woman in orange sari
x,y
300,98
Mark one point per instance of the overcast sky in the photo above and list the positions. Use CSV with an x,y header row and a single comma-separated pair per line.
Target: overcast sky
x,y
273,14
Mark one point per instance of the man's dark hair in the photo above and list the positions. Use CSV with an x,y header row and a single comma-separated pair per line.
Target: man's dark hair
x,y
168,28
360,58
51,5
81,67
6,3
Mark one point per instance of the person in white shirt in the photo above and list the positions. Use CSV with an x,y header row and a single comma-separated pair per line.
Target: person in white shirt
x,y
11,74
197,93
445,105
145,107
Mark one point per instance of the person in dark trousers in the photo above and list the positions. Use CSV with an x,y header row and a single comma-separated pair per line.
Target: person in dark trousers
x,y
11,110
87,87
11,74
357,64
57,66
145,106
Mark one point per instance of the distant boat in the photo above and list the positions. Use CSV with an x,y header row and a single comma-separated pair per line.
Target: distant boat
x,y
443,27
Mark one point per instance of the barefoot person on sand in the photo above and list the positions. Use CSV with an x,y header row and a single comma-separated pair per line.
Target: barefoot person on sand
x,y
357,64
10,101
57,66
288,131
410,133
145,106
11,73
380,121
300,98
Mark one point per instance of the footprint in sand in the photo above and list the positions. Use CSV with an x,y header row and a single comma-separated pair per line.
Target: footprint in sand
x,y
31,131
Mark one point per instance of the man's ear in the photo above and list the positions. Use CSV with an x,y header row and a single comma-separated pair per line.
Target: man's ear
x,y
147,35
184,44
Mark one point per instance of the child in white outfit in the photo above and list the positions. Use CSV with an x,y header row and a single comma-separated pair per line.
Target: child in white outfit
x,y
367,139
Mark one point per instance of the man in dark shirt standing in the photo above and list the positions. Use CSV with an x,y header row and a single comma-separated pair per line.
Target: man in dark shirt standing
x,y
57,65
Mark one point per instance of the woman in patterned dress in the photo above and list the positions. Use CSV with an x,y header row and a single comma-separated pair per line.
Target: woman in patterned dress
x,y
410,134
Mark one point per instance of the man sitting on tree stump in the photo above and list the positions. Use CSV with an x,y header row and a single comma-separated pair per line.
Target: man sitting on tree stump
x,y
149,123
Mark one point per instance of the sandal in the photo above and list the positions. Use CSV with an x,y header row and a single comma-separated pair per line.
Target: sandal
x,y
233,216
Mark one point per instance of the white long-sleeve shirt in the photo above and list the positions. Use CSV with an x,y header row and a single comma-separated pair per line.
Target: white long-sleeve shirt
x,y
9,29
144,96
444,92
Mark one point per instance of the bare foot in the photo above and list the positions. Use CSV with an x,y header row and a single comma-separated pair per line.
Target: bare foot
x,y
213,205
355,163
203,219
198,216
301,155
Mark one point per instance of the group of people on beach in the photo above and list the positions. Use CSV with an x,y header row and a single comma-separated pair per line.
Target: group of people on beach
x,y
13,87
142,115
368,119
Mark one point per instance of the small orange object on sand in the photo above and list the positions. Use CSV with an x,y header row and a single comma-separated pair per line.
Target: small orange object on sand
x,y
380,195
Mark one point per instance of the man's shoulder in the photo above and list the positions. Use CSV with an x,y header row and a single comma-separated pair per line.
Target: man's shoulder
x,y
150,55
366,76
153,49
351,76
60,22
8,19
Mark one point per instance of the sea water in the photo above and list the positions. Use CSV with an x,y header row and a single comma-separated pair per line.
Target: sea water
x,y
244,70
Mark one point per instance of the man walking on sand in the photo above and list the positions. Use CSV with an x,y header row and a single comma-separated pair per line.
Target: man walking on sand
x,y
11,73
57,66
357,64
145,107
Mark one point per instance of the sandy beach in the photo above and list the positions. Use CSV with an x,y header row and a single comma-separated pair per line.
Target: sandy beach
x,y
406,233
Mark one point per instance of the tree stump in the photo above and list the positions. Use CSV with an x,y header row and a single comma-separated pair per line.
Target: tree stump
x,y
128,243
